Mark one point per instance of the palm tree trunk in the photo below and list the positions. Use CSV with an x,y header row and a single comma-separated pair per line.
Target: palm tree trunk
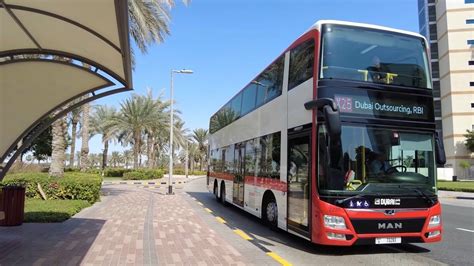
x,y
58,157
136,148
104,154
151,151
73,142
85,138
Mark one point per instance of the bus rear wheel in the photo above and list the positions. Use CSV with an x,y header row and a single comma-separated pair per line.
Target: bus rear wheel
x,y
270,213
223,202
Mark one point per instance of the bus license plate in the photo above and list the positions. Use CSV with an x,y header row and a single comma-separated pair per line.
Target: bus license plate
x,y
388,240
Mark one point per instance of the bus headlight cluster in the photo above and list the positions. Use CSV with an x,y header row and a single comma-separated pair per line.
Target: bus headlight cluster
x,y
435,220
334,222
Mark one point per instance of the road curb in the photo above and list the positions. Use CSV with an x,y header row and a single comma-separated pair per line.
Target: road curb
x,y
465,198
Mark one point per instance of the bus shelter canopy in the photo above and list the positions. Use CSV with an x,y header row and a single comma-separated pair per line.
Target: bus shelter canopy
x,y
56,55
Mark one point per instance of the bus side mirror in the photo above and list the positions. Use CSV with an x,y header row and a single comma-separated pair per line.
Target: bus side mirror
x,y
439,150
331,114
333,122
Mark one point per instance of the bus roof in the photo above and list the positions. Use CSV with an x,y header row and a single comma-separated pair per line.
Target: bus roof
x,y
318,24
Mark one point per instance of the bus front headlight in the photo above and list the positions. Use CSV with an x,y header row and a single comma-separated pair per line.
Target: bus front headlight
x,y
435,220
334,222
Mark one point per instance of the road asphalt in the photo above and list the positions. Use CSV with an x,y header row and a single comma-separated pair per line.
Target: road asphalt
x,y
455,249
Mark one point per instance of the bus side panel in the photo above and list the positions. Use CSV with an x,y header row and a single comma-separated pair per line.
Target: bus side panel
x,y
297,97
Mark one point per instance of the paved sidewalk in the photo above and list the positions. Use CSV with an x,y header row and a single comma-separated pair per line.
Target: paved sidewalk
x,y
132,225
455,194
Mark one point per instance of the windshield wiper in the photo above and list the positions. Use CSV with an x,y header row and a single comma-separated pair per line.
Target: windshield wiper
x,y
421,193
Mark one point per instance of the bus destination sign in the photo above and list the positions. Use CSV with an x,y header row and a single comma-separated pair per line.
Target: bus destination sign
x,y
382,107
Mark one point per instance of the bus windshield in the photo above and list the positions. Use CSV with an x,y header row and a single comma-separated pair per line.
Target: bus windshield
x,y
367,159
375,56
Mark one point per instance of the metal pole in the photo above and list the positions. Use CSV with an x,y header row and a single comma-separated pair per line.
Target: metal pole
x,y
170,174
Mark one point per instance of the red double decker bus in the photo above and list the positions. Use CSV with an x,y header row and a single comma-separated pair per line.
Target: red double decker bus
x,y
335,140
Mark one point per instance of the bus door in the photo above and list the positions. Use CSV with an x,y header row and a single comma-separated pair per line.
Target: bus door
x,y
239,177
299,181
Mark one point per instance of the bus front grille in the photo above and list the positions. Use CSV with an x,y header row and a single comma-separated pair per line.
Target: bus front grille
x,y
381,226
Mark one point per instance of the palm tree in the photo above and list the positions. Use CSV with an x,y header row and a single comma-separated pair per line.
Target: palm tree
x,y
78,156
200,135
193,153
149,20
59,144
116,159
59,131
85,134
74,117
136,115
127,157
94,159
101,122
156,133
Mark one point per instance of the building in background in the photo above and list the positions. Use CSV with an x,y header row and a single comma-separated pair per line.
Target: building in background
x,y
449,27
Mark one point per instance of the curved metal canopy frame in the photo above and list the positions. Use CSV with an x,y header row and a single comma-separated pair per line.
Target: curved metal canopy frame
x,y
113,82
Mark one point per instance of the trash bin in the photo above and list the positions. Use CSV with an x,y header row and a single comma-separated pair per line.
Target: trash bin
x,y
455,178
12,204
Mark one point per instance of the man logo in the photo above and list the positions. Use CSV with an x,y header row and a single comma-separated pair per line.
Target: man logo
x,y
385,226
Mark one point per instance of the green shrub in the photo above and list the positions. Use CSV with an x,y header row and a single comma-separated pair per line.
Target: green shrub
x,y
461,186
182,171
94,171
69,169
116,172
197,172
73,185
143,174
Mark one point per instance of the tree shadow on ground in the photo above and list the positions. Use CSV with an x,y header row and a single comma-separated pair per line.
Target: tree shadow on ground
x,y
252,225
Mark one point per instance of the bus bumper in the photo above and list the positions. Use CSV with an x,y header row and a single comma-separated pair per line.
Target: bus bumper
x,y
369,227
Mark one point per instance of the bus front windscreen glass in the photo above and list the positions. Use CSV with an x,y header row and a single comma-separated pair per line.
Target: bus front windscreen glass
x,y
367,159
375,56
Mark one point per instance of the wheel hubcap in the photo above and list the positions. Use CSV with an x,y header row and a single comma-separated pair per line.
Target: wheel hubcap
x,y
272,211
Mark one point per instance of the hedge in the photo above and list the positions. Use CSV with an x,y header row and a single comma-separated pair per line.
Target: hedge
x,y
77,186
116,172
461,186
182,171
143,174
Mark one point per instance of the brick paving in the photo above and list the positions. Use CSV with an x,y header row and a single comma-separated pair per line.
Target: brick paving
x,y
131,226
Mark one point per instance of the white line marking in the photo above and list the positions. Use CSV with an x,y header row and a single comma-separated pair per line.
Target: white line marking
x,y
467,230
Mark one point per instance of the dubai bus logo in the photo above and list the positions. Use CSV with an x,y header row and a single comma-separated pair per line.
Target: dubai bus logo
x,y
386,202
385,226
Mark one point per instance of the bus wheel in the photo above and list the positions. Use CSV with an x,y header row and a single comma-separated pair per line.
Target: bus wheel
x,y
215,191
270,213
223,202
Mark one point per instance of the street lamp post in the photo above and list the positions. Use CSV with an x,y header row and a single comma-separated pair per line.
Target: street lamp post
x,y
170,174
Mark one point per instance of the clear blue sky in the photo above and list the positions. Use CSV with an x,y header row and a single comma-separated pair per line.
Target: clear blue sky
x,y
228,42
